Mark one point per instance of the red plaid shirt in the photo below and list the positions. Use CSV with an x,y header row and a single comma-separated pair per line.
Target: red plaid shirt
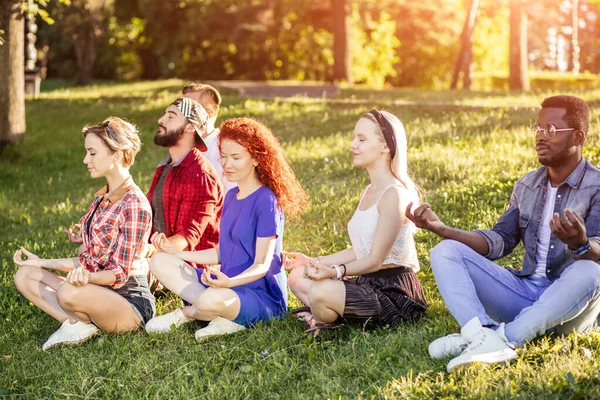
x,y
115,230
192,200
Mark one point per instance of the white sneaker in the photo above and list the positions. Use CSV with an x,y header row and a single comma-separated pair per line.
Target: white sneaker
x,y
164,323
218,326
451,345
485,345
70,333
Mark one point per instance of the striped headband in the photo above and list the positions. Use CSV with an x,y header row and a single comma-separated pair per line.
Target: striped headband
x,y
193,112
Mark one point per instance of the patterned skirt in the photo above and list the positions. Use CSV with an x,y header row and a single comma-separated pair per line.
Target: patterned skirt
x,y
386,297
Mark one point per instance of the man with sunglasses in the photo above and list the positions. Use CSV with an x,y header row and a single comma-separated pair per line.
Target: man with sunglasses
x,y
555,212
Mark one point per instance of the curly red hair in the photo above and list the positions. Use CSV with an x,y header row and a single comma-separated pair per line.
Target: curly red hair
x,y
273,170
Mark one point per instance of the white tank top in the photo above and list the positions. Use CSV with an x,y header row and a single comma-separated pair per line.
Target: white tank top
x,y
361,229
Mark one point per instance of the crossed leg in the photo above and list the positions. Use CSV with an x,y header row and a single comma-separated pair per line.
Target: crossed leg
x,y
299,285
181,279
90,303
325,298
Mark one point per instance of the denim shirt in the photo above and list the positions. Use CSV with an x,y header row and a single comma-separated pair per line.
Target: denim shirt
x,y
580,193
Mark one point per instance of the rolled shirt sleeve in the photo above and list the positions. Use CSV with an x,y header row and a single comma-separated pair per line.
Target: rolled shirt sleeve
x,y
592,221
506,233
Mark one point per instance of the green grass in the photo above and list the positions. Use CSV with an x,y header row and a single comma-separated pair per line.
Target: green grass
x,y
466,161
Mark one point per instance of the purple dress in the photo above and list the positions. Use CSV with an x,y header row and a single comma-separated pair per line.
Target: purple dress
x,y
242,222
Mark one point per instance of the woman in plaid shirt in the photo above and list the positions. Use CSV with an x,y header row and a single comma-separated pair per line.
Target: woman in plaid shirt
x,y
106,286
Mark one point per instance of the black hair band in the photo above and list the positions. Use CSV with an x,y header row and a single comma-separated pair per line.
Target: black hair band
x,y
388,131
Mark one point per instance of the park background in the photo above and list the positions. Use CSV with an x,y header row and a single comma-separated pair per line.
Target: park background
x,y
308,69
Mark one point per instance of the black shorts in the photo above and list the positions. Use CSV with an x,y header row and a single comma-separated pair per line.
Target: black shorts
x,y
386,297
137,292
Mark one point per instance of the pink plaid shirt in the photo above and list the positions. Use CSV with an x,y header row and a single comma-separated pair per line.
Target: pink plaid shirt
x,y
115,230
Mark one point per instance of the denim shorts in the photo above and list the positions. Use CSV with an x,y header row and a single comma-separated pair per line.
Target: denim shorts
x,y
137,292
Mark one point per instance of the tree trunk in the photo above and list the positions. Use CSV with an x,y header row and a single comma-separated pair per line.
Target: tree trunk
x,y
468,68
151,64
342,50
518,77
12,73
465,53
86,53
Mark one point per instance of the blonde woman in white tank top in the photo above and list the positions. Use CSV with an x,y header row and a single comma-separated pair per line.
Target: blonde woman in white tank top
x,y
384,288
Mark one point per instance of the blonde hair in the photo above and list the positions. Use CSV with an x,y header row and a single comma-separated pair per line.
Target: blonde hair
x,y
117,135
398,164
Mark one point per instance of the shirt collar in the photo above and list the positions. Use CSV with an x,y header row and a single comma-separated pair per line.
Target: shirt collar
x,y
214,132
116,194
573,180
168,160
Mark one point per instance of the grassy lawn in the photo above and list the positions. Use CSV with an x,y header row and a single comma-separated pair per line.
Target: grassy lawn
x,y
466,160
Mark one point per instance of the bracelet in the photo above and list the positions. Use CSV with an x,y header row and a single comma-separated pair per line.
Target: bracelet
x,y
343,265
338,272
581,250
318,259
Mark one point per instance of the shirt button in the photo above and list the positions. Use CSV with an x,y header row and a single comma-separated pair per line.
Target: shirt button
x,y
552,246
548,271
558,196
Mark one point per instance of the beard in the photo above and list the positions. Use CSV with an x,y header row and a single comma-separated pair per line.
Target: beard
x,y
561,156
168,138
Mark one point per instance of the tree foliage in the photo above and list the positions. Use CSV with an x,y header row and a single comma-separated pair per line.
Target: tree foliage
x,y
394,42
77,36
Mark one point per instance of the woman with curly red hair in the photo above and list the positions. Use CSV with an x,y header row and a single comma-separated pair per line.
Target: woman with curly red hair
x,y
250,286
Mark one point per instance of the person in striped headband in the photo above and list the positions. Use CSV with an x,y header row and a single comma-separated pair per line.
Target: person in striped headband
x,y
186,193
210,98
195,115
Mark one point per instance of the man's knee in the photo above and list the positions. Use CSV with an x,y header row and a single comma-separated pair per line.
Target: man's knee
x,y
158,260
444,250
586,272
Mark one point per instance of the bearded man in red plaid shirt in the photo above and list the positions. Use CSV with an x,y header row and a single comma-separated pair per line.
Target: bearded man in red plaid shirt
x,y
186,193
